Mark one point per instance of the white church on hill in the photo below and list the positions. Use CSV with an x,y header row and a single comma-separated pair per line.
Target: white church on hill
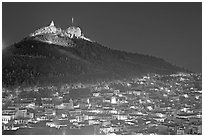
x,y
71,31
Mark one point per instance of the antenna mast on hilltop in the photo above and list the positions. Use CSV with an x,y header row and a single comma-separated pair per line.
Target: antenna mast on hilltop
x,y
72,21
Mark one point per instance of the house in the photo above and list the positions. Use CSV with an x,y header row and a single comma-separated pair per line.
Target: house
x,y
96,94
20,121
106,130
158,118
180,132
75,112
58,123
93,122
120,117
113,100
10,126
195,129
104,116
7,117
23,103
48,104
21,113
92,116
61,113
68,105
81,118
199,131
30,113
116,92
50,113
107,100
9,110
41,117
106,123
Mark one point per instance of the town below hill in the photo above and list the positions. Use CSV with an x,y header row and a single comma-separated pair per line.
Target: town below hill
x,y
151,104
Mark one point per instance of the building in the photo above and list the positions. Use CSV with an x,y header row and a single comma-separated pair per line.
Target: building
x,y
113,100
120,117
24,103
21,113
180,132
82,118
7,118
74,31
21,121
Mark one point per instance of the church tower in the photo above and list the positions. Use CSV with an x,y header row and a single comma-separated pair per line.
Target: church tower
x,y
52,23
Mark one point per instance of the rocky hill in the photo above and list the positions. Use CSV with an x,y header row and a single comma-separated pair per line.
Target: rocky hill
x,y
51,57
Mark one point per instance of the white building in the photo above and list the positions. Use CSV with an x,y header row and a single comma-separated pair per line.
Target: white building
x,y
113,100
74,31
7,118
120,117
70,32
49,29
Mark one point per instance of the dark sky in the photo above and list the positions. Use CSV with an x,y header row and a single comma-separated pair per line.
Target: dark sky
x,y
172,31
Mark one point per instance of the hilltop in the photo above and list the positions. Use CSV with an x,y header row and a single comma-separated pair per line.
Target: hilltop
x,y
53,55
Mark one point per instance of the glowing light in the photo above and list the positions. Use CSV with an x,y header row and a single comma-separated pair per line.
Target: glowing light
x,y
3,45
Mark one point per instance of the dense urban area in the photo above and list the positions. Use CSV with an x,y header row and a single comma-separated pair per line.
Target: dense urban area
x,y
152,105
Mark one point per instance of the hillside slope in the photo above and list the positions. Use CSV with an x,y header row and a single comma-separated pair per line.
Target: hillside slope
x,y
32,61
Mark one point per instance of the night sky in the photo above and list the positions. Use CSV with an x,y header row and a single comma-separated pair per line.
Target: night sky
x,y
172,31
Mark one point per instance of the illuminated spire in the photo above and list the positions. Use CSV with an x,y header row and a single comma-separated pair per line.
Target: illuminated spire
x,y
72,21
52,23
